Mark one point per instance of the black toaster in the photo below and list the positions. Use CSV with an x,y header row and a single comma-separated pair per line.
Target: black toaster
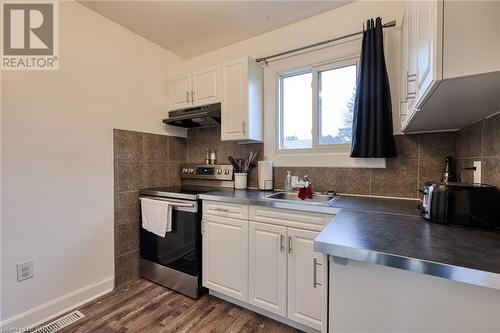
x,y
470,205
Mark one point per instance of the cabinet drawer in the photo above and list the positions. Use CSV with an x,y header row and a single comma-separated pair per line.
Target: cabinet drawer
x,y
224,209
289,218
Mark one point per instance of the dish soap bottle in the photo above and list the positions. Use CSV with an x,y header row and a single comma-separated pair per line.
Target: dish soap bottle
x,y
288,181
213,157
207,157
449,172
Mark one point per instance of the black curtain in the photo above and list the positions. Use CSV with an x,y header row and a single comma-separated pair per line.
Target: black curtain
x,y
372,134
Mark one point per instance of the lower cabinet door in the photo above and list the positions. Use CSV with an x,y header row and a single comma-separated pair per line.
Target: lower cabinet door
x,y
267,267
225,256
305,275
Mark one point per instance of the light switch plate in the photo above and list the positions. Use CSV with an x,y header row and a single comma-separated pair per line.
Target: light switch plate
x,y
25,270
477,172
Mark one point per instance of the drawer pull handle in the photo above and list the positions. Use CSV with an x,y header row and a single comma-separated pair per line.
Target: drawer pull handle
x,y
225,210
289,244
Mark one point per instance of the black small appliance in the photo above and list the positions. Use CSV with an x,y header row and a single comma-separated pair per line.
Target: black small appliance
x,y
470,205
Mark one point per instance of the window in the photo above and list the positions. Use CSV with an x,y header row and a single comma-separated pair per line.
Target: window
x,y
296,96
316,106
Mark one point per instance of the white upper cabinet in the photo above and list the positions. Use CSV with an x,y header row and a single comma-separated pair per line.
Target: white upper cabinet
x,y
428,47
451,64
207,86
242,100
195,89
408,64
180,92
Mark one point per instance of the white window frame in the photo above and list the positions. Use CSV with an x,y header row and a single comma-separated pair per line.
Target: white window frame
x,y
327,156
316,121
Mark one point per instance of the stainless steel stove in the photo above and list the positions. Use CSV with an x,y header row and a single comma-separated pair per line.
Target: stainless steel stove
x,y
175,260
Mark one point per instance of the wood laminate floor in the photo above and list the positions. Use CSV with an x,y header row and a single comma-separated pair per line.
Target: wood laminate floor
x,y
143,306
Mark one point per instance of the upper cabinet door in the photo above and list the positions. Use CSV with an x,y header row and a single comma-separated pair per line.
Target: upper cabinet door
x,y
408,64
305,279
207,86
180,92
242,101
429,38
267,267
234,100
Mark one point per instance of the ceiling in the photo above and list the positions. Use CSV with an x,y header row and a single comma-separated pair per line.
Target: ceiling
x,y
191,28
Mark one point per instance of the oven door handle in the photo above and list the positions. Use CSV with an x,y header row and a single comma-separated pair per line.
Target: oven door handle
x,y
180,204
172,203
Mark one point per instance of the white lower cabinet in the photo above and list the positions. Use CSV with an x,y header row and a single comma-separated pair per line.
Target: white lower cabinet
x,y
225,256
305,275
267,267
270,265
374,298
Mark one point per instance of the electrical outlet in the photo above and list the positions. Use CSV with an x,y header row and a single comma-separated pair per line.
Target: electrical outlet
x,y
477,172
25,270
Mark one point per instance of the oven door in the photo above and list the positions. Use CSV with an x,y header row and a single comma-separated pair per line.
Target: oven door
x,y
180,249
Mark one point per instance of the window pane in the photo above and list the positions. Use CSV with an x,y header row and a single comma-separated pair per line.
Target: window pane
x,y
297,111
337,88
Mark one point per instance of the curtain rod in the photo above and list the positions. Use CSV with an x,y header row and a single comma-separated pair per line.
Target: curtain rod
x,y
265,59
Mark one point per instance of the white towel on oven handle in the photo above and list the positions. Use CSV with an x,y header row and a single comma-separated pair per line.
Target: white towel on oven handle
x,y
156,216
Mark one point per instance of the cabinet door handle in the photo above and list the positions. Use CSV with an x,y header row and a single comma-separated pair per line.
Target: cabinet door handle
x,y
282,241
187,96
244,126
192,96
411,75
315,263
289,244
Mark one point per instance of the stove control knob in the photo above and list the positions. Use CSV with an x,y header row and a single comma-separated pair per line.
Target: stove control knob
x,y
185,170
191,171
226,171
219,171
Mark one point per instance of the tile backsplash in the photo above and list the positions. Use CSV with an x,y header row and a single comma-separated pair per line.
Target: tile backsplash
x,y
420,158
140,160
199,139
480,142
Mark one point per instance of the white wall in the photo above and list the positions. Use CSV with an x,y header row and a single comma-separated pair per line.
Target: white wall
x,y
57,159
331,24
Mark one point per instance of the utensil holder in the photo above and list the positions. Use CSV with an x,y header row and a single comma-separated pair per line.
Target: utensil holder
x,y
240,181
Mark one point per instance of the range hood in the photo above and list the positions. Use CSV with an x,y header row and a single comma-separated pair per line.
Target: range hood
x,y
200,116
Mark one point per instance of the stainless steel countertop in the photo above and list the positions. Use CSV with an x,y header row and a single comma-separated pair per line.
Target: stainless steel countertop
x,y
253,197
390,232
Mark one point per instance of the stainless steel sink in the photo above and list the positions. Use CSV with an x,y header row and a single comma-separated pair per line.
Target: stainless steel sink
x,y
317,199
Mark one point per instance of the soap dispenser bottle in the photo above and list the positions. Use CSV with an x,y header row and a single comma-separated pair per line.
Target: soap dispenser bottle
x,y
288,181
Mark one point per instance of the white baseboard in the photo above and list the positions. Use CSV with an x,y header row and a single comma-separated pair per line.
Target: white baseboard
x,y
268,314
58,306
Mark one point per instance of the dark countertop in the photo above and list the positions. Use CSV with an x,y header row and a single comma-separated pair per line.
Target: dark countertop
x,y
390,232
410,243
376,204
